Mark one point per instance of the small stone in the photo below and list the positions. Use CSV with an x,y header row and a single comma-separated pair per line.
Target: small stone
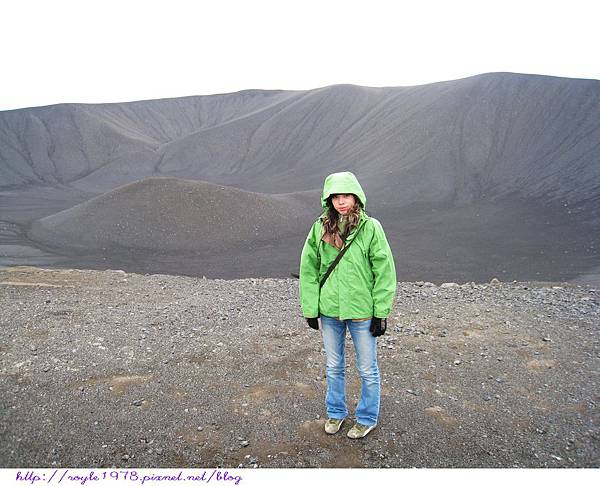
x,y
244,443
546,339
138,403
457,361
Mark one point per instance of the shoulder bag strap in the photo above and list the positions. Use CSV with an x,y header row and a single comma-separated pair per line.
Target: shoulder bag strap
x,y
338,258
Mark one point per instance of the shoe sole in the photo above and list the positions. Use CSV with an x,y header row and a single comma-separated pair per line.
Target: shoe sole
x,y
338,429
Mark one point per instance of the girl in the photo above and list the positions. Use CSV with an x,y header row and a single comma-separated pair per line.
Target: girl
x,y
357,295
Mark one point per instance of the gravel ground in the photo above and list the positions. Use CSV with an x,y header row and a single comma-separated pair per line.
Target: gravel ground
x,y
107,368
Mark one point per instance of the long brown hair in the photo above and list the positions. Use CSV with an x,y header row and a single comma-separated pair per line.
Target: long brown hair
x,y
332,219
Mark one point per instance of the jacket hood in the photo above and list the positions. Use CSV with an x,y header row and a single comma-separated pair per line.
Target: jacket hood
x,y
342,183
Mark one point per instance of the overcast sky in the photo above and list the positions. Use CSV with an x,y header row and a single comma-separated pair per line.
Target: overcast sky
x,y
108,51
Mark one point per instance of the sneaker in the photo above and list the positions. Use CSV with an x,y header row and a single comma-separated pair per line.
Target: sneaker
x,y
333,425
358,431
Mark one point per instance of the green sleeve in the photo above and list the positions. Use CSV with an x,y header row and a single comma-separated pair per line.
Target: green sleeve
x,y
384,271
309,273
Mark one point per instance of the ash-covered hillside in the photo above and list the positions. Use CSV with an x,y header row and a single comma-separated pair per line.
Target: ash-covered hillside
x,y
171,215
492,174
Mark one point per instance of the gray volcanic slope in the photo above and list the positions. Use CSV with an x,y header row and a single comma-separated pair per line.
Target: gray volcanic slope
x,y
493,174
170,215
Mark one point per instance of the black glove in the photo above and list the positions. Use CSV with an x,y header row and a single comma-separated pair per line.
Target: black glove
x,y
378,326
313,322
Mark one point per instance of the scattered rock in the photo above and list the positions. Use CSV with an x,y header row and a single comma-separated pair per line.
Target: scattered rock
x,y
97,348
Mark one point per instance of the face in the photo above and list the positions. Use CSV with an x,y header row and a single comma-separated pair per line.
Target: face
x,y
343,202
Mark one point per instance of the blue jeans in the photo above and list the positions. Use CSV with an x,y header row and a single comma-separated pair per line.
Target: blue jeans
x,y
365,346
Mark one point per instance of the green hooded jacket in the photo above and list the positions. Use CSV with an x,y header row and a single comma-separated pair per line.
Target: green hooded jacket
x,y
363,283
